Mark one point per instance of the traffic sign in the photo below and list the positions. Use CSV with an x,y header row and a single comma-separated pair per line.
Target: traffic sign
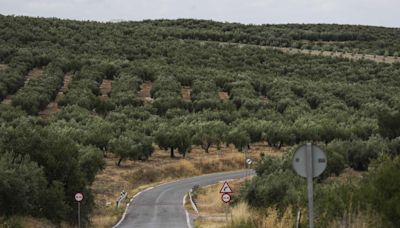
x,y
249,161
319,161
309,161
226,188
78,196
226,198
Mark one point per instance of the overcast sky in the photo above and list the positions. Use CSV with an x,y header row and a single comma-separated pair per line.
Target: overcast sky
x,y
366,12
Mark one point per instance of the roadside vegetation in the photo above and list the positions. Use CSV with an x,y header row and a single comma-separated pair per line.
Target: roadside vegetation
x,y
239,97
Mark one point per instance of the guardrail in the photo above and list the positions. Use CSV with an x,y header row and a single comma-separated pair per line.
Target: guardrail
x,y
192,201
122,196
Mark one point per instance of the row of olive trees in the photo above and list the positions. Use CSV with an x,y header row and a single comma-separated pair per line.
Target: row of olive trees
x,y
37,93
14,76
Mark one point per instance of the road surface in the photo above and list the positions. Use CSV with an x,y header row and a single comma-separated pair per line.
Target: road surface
x,y
162,206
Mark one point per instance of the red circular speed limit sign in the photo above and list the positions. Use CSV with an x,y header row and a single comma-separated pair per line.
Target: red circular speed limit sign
x,y
78,196
226,198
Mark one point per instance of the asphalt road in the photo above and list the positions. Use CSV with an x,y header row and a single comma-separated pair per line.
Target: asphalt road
x,y
162,206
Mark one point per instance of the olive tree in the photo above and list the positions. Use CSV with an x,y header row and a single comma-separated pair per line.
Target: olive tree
x,y
131,145
208,133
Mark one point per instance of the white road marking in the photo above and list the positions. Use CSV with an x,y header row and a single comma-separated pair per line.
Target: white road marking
x,y
187,214
127,206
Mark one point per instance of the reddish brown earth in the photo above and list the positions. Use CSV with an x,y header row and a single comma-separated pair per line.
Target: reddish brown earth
x,y
34,74
185,93
105,88
223,95
144,92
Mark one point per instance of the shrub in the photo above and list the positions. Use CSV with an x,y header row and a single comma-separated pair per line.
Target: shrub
x,y
279,189
381,189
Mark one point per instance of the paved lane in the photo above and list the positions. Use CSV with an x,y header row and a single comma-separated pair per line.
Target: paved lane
x,y
162,206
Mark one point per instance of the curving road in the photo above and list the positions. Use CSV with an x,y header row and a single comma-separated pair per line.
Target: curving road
x,y
162,206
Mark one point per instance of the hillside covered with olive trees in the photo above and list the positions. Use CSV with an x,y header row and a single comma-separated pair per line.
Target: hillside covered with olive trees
x,y
72,91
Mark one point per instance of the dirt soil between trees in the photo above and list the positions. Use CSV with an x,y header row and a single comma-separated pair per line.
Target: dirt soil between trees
x,y
52,107
33,74
144,92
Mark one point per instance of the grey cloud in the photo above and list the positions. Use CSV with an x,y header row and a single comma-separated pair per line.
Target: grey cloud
x,y
368,12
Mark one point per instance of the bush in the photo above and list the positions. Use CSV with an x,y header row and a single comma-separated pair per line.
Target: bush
x,y
268,165
279,189
21,183
381,189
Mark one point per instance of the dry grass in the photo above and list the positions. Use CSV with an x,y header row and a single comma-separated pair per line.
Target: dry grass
x,y
28,222
133,176
212,211
272,219
358,220
208,199
241,213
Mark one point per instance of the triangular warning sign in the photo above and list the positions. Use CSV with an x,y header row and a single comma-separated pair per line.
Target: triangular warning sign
x,y
225,188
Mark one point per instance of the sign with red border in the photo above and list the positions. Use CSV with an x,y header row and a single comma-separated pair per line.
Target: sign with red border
x,y
226,198
226,188
79,196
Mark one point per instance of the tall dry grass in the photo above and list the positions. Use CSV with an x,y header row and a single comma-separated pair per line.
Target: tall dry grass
x,y
29,222
187,168
366,219
242,215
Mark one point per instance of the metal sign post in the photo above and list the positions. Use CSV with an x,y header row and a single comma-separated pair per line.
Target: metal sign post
x,y
309,161
310,190
248,162
245,156
79,198
79,214
226,190
122,196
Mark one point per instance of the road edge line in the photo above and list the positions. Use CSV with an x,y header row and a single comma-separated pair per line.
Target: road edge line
x,y
127,206
192,202
186,212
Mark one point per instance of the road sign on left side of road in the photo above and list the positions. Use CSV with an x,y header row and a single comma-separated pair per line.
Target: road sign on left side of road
x,y
79,196
226,188
249,161
226,198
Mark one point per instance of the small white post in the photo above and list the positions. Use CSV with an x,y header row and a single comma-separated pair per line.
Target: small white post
x,y
79,215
